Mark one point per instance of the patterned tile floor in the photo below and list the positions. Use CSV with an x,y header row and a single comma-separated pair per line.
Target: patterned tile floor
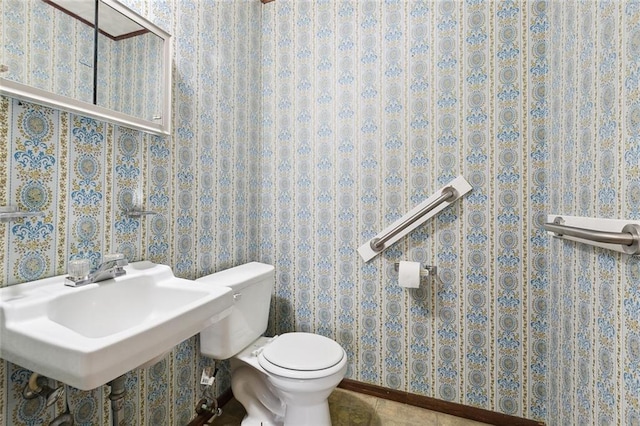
x,y
353,409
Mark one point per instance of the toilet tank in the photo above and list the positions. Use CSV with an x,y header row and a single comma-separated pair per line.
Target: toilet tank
x,y
252,285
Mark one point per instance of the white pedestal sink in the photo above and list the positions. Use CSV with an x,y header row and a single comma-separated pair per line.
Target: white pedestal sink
x,y
87,336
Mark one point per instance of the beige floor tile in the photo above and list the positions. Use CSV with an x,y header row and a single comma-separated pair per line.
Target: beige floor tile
x,y
339,395
349,408
393,413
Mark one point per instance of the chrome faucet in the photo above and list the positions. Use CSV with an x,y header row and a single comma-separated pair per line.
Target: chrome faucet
x,y
112,266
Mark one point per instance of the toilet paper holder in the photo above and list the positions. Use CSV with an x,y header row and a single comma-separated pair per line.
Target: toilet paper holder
x,y
424,269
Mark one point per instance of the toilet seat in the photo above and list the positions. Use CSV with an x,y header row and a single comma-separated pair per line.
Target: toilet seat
x,y
302,356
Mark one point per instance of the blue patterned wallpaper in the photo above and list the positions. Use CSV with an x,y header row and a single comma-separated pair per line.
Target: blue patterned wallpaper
x,y
82,174
594,294
368,108
202,182
303,128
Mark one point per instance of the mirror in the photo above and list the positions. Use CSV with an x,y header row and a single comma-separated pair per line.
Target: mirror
x,y
129,65
55,62
60,64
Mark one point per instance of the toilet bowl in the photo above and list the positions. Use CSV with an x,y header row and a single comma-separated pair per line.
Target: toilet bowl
x,y
284,380
296,379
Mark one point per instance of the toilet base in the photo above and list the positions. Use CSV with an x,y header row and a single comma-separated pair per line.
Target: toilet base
x,y
295,416
257,397
305,405
317,415
266,405
274,400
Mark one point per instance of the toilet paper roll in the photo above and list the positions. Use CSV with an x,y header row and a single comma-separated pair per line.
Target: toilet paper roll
x,y
409,274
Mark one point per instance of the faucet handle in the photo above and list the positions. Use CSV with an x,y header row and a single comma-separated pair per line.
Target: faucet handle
x,y
78,268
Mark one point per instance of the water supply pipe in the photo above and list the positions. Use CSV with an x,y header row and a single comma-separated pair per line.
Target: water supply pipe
x,y
38,386
206,410
118,392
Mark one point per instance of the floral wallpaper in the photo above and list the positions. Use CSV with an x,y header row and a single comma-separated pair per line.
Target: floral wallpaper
x,y
594,294
302,128
201,183
368,108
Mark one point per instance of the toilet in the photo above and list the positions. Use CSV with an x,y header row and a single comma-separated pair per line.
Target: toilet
x,y
282,380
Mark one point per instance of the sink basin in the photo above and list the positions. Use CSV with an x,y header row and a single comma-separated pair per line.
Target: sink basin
x,y
87,336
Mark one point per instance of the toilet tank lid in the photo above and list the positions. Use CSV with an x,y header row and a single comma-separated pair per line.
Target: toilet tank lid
x,y
303,352
239,276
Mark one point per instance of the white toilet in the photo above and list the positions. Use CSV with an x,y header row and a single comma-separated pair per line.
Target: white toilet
x,y
284,380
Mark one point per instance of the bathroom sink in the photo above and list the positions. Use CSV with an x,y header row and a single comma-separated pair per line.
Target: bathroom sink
x,y
87,336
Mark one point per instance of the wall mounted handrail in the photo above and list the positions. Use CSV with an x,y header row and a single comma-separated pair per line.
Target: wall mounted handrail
x,y
628,238
448,193
419,214
12,213
625,238
137,212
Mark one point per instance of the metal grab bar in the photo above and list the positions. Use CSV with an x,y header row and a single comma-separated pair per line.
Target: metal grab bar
x,y
419,214
629,238
377,244
137,213
624,238
11,213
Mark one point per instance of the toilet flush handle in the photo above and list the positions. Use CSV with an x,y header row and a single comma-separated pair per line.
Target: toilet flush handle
x,y
237,296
